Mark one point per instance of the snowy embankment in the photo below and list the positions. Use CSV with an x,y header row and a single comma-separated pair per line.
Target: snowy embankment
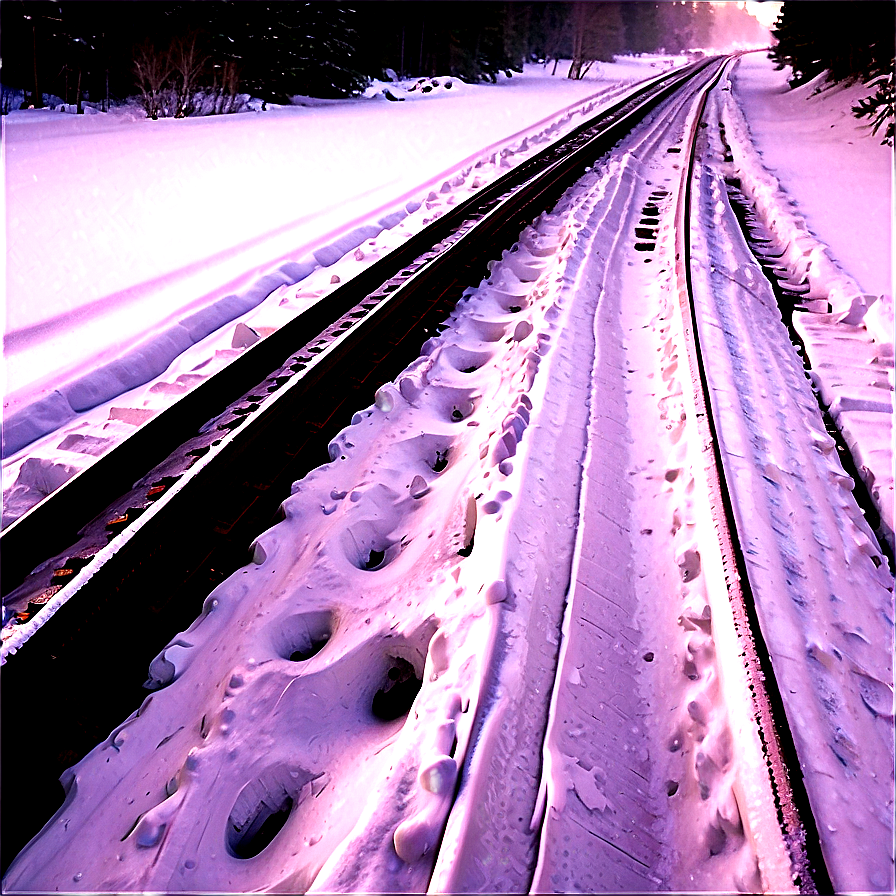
x,y
819,583
390,570
161,233
381,671
434,552
822,186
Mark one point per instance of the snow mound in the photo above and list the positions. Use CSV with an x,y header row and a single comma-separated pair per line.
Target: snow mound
x,y
847,333
413,89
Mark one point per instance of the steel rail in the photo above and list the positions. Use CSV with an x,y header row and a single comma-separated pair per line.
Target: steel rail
x,y
53,524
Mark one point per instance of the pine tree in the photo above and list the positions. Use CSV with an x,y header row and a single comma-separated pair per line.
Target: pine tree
x,y
642,27
286,49
849,41
597,35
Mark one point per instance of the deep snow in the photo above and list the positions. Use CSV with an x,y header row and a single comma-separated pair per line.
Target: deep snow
x,y
143,265
350,567
826,206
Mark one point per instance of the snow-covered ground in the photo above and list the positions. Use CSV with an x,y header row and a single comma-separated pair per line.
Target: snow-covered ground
x,y
129,241
824,188
439,545
838,173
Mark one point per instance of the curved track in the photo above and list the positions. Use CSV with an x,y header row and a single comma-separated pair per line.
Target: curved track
x,y
150,528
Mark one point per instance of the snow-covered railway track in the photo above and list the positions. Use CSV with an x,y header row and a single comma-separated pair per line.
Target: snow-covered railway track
x,y
820,589
773,687
497,209
513,636
124,532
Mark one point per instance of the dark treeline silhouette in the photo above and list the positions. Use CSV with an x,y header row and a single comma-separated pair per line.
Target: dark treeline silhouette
x,y
847,39
850,39
163,51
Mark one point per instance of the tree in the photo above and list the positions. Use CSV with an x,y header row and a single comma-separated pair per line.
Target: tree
x,y
187,64
851,42
551,37
285,49
153,68
685,25
596,35
641,22
472,41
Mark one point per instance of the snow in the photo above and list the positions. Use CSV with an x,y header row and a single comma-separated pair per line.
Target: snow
x,y
827,208
97,227
837,171
421,602
134,267
545,446
806,544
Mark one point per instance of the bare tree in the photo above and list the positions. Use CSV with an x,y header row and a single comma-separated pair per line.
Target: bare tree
x,y
596,35
187,62
153,69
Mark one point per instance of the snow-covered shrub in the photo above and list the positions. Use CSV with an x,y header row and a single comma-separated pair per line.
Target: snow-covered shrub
x,y
14,98
879,107
177,82
10,99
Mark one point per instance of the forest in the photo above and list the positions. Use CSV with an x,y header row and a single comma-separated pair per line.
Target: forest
x,y
851,42
169,53
166,51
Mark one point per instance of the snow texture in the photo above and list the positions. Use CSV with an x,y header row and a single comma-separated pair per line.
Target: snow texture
x,y
180,257
495,627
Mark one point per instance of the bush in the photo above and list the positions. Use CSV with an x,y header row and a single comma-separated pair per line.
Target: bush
x,y
880,107
178,81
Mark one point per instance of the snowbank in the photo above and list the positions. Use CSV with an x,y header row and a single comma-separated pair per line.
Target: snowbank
x,y
831,222
198,240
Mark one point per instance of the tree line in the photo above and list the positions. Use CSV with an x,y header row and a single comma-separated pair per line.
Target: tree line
x,y
849,41
165,51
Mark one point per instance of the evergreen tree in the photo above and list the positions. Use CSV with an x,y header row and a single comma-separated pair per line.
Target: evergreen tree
x,y
851,41
597,34
642,26
551,37
283,49
677,26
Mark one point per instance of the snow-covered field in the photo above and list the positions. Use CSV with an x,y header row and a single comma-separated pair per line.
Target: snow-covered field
x,y
130,241
439,544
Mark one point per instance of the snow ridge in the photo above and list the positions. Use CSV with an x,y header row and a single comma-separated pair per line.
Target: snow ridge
x,y
190,343
849,334
391,571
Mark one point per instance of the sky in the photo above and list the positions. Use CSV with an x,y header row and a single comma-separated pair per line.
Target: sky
x,y
766,12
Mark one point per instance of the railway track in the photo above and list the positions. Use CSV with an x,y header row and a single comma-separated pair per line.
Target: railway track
x,y
476,745
151,528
